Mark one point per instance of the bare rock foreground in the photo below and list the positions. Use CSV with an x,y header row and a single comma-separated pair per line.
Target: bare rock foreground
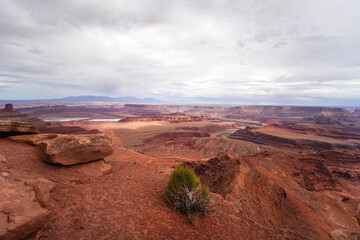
x,y
69,149
10,128
24,203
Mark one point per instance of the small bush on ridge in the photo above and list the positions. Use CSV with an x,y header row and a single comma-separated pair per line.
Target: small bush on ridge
x,y
185,193
181,177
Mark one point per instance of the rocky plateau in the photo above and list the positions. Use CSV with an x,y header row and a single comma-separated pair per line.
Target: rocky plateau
x,y
274,172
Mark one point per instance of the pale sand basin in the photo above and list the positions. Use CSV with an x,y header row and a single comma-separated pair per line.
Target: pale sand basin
x,y
129,125
143,125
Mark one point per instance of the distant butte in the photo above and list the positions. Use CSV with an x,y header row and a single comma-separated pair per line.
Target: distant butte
x,y
10,111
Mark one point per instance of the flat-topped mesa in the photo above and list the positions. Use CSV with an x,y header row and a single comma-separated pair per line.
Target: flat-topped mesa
x,y
173,118
9,108
257,196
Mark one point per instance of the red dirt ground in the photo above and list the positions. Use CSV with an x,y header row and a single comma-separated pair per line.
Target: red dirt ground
x,y
125,204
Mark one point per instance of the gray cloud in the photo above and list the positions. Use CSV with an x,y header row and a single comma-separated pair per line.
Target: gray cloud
x,y
262,52
279,44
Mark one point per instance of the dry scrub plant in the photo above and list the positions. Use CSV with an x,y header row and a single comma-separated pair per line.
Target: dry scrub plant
x,y
187,195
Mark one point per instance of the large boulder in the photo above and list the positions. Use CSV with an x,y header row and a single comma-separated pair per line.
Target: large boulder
x,y
24,203
11,128
74,149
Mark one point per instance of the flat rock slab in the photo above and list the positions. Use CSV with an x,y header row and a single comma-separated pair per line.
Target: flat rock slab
x,y
33,139
24,203
74,149
11,128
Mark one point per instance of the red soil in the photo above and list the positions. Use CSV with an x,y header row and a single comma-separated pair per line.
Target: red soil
x,y
125,204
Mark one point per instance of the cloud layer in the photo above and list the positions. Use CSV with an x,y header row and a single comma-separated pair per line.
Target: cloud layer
x,y
303,52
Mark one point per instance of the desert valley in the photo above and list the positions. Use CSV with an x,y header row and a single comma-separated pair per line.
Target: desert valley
x,y
179,120
99,171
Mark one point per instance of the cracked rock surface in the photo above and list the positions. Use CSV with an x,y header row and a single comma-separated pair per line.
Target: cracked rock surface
x,y
24,203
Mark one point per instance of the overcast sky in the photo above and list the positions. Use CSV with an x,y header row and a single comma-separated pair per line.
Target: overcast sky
x,y
304,52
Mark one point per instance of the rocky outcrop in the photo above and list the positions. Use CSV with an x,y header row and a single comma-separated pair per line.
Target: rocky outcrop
x,y
296,192
74,149
24,203
10,112
342,163
11,128
257,196
69,149
62,129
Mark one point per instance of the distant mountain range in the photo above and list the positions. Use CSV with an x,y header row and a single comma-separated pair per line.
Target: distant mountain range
x,y
91,99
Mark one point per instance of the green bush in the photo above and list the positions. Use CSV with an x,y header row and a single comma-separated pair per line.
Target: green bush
x,y
182,177
187,195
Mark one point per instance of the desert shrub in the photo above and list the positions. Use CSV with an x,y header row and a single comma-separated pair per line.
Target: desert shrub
x,y
181,177
187,195
205,191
